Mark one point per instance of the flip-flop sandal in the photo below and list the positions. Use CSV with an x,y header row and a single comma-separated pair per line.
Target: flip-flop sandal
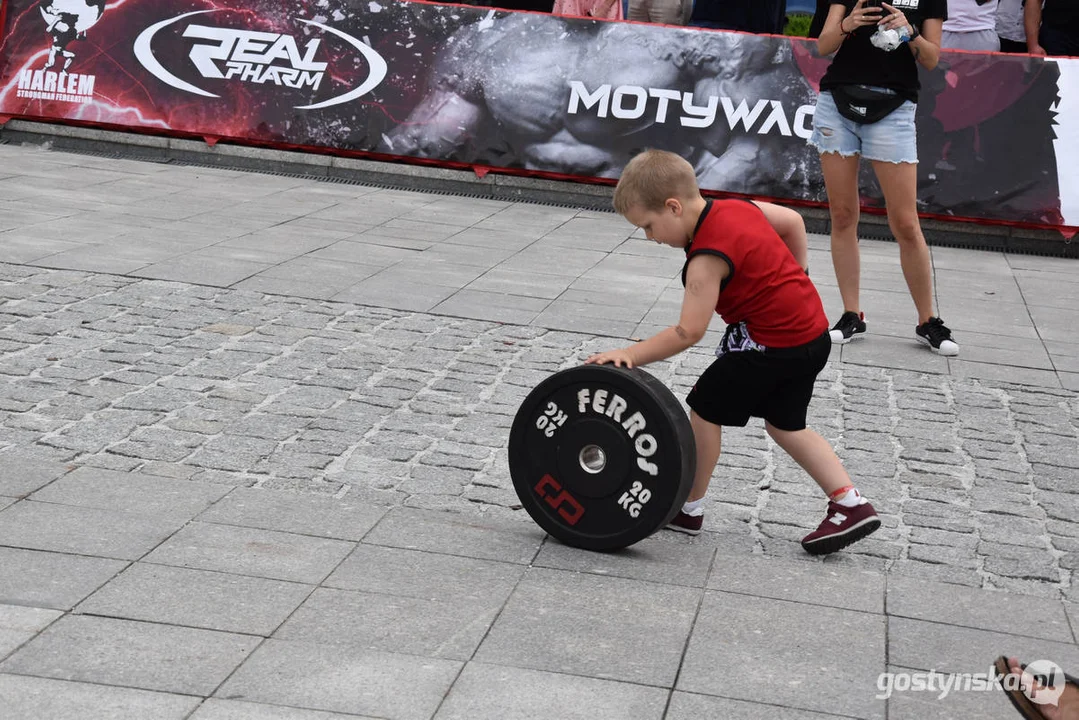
x,y
1019,700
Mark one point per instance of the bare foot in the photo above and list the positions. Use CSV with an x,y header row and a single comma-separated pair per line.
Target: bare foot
x,y
1066,708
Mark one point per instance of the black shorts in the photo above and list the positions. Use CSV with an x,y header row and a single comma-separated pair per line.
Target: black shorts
x,y
776,385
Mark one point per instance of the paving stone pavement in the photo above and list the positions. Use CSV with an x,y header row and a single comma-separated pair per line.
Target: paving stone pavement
x,y
254,466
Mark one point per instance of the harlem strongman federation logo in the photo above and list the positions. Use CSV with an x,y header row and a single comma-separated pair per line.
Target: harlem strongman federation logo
x,y
66,22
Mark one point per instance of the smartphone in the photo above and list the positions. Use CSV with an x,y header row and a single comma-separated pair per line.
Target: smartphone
x,y
873,4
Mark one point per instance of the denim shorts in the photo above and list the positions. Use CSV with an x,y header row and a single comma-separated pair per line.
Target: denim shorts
x,y
892,139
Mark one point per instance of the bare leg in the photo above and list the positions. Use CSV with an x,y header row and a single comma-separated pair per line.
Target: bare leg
x,y
814,454
841,181
899,182
709,439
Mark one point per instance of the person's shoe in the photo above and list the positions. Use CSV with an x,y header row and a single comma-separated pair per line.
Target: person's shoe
x,y
934,333
841,527
849,326
688,524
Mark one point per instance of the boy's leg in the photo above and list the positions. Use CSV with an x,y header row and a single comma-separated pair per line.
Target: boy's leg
x,y
849,517
814,454
709,439
724,394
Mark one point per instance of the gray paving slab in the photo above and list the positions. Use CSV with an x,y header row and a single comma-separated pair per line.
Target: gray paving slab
x,y
319,271
526,284
978,696
5,501
35,698
18,624
22,247
425,627
214,709
900,353
609,628
344,518
469,536
84,531
51,580
407,293
95,258
324,677
201,270
789,653
368,397
24,473
132,654
668,558
957,605
962,368
91,487
949,648
249,551
1072,611
491,692
800,581
197,598
495,307
426,576
691,706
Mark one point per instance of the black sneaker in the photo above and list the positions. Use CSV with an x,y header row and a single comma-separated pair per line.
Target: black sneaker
x,y
934,333
688,524
850,326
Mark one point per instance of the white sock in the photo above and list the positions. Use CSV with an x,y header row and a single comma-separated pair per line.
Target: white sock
x,y
852,498
693,509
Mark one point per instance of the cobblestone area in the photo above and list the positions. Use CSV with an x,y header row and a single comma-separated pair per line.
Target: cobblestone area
x,y
975,479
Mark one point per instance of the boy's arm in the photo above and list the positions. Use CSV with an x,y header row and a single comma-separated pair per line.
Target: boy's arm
x,y
704,276
791,228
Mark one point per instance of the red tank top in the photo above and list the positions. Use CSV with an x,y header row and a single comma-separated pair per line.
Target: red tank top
x,y
766,288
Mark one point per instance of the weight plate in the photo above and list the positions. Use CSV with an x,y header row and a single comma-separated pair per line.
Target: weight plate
x,y
601,457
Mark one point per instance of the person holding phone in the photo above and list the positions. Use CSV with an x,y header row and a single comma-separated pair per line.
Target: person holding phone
x,y
866,108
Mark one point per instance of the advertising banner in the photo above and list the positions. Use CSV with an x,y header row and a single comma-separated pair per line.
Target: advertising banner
x,y
525,92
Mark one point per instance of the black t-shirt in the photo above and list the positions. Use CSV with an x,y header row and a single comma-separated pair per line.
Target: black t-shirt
x,y
1061,15
858,62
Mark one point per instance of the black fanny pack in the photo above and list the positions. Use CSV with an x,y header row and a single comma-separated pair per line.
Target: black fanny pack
x,y
865,105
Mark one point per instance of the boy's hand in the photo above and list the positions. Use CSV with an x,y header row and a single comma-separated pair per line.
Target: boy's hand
x,y
620,358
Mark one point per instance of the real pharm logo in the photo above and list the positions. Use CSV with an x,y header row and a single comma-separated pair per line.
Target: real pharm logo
x,y
257,57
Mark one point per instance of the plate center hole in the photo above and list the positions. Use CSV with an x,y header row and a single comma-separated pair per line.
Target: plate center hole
x,y
592,459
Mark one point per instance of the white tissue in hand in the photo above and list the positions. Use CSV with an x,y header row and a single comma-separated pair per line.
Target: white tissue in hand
x,y
886,40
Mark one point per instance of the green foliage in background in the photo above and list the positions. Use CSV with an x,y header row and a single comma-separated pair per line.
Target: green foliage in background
x,y
798,25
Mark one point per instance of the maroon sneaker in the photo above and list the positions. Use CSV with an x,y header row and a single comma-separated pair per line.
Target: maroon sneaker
x,y
688,524
841,527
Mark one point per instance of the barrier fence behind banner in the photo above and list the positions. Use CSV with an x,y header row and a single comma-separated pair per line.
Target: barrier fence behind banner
x,y
530,93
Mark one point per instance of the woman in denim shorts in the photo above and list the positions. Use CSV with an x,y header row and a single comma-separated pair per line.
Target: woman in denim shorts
x,y
866,108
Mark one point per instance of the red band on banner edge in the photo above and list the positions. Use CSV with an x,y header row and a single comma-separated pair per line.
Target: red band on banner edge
x,y
1066,231
4,119
3,21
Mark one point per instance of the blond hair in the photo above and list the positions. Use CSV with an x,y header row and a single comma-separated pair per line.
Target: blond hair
x,y
652,177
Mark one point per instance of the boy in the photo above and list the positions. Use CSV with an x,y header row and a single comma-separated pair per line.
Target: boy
x,y
747,262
